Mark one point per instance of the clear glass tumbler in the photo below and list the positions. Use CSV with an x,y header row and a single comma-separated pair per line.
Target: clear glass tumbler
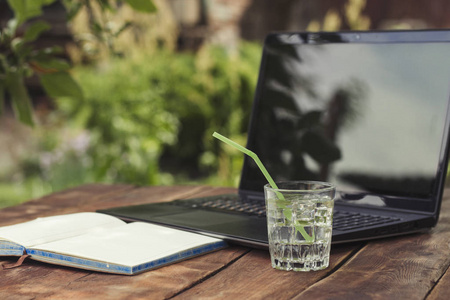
x,y
299,224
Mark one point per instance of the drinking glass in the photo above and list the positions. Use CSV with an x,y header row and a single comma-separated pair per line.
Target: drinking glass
x,y
299,224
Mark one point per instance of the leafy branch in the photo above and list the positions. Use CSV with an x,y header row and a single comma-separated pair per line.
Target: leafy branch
x,y
99,12
19,58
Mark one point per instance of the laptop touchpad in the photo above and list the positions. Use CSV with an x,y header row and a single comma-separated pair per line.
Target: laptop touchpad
x,y
200,218
225,224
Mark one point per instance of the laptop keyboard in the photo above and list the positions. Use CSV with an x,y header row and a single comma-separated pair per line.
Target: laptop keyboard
x,y
342,220
230,203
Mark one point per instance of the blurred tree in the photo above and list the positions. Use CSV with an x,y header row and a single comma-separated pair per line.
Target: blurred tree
x,y
19,58
352,16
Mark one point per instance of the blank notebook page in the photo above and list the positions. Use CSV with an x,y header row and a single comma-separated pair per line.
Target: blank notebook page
x,y
128,245
47,229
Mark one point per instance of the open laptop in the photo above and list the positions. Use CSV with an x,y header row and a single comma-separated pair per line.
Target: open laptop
x,y
367,111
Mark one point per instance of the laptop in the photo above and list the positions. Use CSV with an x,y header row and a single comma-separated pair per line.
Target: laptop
x,y
367,111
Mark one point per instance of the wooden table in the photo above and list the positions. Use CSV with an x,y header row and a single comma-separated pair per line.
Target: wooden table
x,y
408,267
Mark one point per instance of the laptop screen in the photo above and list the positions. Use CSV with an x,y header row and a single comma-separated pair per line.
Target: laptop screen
x,y
366,111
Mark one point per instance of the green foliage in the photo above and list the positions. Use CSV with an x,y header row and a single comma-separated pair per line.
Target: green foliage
x,y
101,27
61,84
19,58
51,159
26,9
12,194
15,85
142,6
153,114
146,119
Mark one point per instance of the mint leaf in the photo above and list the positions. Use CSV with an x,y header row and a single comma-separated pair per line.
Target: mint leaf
x,y
35,30
51,64
142,5
26,9
61,84
21,101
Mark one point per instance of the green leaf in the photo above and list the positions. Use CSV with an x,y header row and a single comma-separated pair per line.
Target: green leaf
x,y
61,84
146,6
35,30
51,64
26,9
2,97
21,101
51,50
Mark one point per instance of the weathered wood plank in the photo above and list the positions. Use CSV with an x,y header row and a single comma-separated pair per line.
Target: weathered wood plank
x,y
147,194
442,289
252,277
39,280
397,268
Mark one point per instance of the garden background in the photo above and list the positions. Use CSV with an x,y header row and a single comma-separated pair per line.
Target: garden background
x,y
154,84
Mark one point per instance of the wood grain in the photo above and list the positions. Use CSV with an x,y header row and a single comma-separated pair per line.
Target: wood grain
x,y
252,277
48,281
442,289
397,268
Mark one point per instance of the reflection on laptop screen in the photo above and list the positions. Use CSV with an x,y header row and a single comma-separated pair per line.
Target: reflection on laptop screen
x,y
369,117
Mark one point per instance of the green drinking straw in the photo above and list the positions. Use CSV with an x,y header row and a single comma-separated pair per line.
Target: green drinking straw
x,y
272,183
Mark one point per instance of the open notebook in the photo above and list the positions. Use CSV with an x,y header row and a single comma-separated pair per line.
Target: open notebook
x,y
104,243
